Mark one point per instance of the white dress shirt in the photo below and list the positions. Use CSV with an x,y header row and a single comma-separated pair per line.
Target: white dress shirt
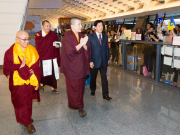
x,y
98,35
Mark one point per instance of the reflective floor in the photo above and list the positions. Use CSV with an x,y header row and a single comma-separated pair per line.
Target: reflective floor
x,y
138,107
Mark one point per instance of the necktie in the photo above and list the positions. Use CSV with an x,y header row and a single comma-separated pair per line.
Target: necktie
x,y
100,40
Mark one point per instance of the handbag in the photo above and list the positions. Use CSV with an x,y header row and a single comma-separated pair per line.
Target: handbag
x,y
145,71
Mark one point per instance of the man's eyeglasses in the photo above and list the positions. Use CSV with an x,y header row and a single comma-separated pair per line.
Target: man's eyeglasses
x,y
24,39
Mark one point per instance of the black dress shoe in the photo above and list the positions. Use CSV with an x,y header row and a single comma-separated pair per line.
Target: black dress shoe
x,y
107,98
92,93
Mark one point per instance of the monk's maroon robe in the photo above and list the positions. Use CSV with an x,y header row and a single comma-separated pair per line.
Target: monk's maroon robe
x,y
21,96
46,51
75,66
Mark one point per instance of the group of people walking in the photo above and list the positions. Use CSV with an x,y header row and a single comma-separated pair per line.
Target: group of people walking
x,y
30,69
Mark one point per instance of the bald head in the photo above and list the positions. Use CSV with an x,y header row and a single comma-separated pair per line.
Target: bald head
x,y
22,37
73,21
75,24
21,33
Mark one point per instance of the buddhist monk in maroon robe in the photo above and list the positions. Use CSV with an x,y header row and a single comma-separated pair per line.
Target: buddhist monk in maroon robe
x,y
21,64
75,60
48,52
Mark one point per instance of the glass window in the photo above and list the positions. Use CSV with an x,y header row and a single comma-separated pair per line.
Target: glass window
x,y
129,21
119,21
109,22
152,17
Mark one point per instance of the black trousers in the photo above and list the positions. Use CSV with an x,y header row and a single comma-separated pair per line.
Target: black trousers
x,y
113,50
103,72
176,75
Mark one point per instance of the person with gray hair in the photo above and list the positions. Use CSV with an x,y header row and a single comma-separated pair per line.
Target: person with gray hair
x,y
21,65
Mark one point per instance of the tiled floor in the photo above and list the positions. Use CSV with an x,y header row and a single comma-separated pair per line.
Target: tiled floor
x,y
138,107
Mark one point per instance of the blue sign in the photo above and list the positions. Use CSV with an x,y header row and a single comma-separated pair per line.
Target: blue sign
x,y
160,20
160,14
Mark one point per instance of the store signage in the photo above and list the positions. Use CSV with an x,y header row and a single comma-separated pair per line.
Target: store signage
x,y
160,20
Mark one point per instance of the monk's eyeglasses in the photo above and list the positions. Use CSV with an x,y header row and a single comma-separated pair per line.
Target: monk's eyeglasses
x,y
24,39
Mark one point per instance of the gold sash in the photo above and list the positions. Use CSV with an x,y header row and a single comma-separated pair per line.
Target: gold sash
x,y
31,58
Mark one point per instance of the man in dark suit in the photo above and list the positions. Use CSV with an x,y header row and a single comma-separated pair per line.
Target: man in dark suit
x,y
99,59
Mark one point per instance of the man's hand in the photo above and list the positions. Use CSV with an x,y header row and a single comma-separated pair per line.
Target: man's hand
x,y
83,41
85,47
91,64
31,71
37,87
57,46
23,62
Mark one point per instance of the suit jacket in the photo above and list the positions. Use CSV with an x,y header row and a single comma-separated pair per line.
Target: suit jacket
x,y
99,53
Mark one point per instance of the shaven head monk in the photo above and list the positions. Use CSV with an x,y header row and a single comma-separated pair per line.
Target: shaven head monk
x,y
47,45
75,58
21,64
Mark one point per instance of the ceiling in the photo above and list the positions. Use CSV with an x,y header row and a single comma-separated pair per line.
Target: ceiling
x,y
47,4
90,10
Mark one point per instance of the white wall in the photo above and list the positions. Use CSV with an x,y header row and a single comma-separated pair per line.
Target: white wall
x,y
11,16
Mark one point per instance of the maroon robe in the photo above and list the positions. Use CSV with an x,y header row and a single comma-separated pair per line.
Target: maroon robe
x,y
46,51
21,96
75,66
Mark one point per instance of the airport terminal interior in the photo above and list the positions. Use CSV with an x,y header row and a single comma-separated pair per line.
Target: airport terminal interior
x,y
143,68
